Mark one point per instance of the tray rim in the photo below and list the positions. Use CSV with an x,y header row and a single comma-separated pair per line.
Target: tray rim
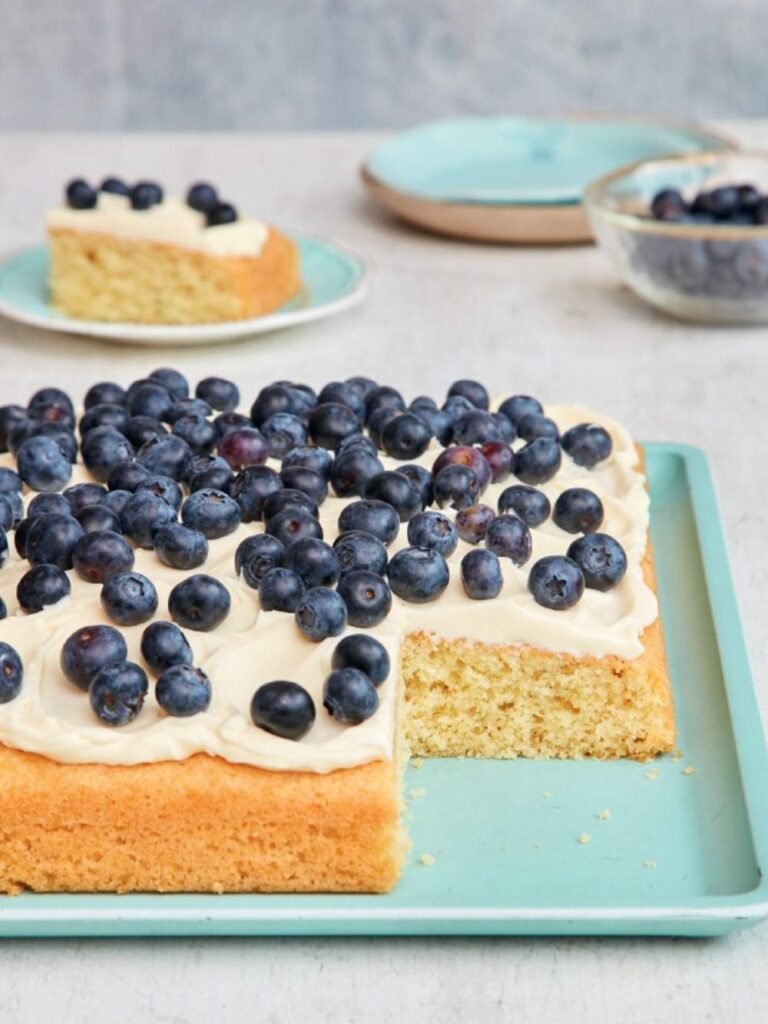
x,y
709,915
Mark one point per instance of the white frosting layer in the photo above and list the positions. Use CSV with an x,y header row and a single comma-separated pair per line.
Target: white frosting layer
x,y
54,718
171,222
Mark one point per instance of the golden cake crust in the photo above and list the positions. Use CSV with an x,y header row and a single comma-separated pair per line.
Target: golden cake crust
x,y
102,277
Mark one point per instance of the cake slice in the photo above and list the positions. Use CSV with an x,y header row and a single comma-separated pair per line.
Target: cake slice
x,y
135,256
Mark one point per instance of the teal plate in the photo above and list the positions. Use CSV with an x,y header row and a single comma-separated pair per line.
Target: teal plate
x,y
333,279
511,160
682,853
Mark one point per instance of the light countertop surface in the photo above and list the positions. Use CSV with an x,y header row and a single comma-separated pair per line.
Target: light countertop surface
x,y
551,322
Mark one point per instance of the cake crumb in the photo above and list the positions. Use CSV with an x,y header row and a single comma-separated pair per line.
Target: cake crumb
x,y
653,775
417,794
427,860
678,755
584,838
547,794
416,763
603,815
650,864
689,770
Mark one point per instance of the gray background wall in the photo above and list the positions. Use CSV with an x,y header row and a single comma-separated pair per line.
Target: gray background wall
x,y
276,64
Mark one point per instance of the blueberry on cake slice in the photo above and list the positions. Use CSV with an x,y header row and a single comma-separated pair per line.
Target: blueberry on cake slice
x,y
222,628
131,254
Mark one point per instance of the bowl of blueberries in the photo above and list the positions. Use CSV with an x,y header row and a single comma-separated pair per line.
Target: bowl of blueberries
x,y
689,234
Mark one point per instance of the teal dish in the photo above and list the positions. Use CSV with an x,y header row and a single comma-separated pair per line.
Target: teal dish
x,y
333,279
682,853
509,160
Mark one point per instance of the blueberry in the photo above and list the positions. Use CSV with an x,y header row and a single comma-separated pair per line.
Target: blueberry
x,y
225,422
471,390
6,512
88,650
364,653
314,561
98,519
126,476
406,436
330,423
164,487
668,205
221,213
44,504
256,555
367,597
211,471
42,465
115,186
306,480
288,498
182,691
243,447
104,393
601,559
517,406
222,395
533,425
284,709
378,518
311,457
349,696
481,574
181,547
103,415
280,590
421,481
721,203
10,417
51,540
164,645
418,575
20,536
587,444
527,503
80,195
190,407
129,598
283,431
457,486
144,514
383,397
166,456
433,530
116,502
321,613
11,673
439,421
145,194
199,602
99,556
52,394
293,524
303,399
464,455
578,510
4,551
538,460
344,394
422,402
211,512
202,197
117,692
358,550
351,471
362,385
499,457
199,433
271,399
509,537
80,496
477,427
103,448
53,413
396,490
251,487
150,400
378,422
9,480
472,522
41,586
556,582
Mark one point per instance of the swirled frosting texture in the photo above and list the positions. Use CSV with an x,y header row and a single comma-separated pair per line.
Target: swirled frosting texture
x,y
54,718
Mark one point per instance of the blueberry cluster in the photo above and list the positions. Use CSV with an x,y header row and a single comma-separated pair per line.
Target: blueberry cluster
x,y
173,471
717,268
80,195
732,204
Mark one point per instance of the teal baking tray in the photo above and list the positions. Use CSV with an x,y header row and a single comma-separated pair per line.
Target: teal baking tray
x,y
677,846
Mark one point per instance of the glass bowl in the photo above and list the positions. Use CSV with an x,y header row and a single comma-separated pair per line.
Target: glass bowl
x,y
715,272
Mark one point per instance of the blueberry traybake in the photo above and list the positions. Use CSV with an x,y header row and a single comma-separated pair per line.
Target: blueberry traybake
x,y
134,255
223,631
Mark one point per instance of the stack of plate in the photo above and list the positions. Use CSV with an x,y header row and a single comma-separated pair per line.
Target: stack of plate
x,y
502,179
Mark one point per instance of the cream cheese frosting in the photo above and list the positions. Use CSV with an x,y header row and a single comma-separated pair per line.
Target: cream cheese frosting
x,y
251,647
170,222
